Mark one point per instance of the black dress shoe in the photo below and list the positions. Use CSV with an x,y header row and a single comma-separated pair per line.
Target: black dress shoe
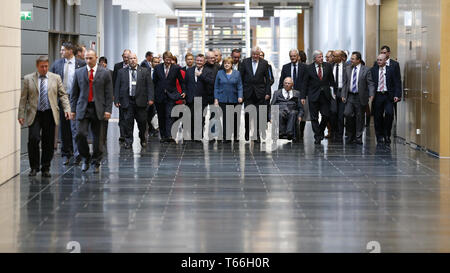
x,y
121,139
317,141
96,168
33,172
380,140
127,146
46,174
289,137
359,141
143,144
77,161
86,165
66,160
388,140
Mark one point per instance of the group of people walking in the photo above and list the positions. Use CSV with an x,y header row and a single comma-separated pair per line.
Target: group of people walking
x,y
78,95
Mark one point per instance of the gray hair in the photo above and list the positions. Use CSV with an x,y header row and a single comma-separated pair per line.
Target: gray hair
x,y
256,48
42,59
293,50
316,53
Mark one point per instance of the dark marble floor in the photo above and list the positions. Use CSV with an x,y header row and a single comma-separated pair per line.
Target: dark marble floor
x,y
196,197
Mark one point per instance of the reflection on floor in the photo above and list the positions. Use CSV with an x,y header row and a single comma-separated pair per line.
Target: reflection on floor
x,y
196,197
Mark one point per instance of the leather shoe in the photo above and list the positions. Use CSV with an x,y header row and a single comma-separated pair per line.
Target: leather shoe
x,y
349,141
121,139
46,174
96,168
388,140
144,144
127,146
85,166
77,161
317,141
380,140
66,160
33,172
359,141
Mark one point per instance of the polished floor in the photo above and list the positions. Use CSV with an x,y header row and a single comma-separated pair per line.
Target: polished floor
x,y
196,197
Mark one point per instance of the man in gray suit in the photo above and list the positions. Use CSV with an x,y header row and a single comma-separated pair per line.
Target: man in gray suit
x,y
358,88
91,103
39,108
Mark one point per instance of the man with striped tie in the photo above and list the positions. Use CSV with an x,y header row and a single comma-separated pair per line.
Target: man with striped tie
x,y
39,105
387,92
357,89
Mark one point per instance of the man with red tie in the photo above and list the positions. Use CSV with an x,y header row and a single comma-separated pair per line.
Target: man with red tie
x,y
317,84
91,104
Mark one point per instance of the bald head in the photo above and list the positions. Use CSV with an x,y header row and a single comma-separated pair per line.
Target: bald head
x,y
211,57
381,60
132,60
288,83
91,58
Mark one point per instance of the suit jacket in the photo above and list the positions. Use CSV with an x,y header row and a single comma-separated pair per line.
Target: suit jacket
x,y
209,77
286,72
193,88
144,87
312,85
292,103
366,86
396,67
103,92
29,97
228,90
393,85
58,66
258,83
144,64
166,88
117,67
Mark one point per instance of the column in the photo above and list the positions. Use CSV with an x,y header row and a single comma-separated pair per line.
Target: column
x,y
147,33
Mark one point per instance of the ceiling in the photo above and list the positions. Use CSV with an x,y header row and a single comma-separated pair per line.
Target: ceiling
x,y
166,8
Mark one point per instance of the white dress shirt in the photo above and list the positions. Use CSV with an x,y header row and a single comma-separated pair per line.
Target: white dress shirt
x,y
287,94
341,74
255,66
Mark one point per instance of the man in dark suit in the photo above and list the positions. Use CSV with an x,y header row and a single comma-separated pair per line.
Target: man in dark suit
x,y
317,85
209,74
165,78
290,108
91,104
65,68
295,70
133,91
117,67
236,55
337,119
190,60
195,87
256,83
147,63
357,89
387,92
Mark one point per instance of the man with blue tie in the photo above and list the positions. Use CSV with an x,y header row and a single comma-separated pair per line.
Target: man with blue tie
x,y
388,92
357,90
91,104
39,108
65,68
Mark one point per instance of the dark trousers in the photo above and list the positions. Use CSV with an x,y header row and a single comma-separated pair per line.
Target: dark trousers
x,y
131,113
236,116
65,129
41,131
165,121
191,108
121,123
253,100
383,114
288,121
151,112
322,105
354,115
97,127
337,119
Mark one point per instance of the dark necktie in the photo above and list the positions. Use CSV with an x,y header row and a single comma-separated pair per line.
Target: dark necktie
x,y
133,86
337,75
294,74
